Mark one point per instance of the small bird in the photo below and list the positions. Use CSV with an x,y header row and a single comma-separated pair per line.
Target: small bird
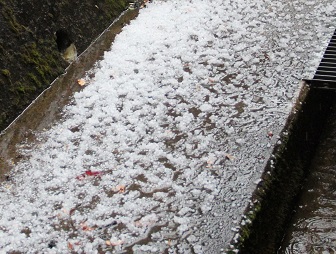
x,y
66,45
70,54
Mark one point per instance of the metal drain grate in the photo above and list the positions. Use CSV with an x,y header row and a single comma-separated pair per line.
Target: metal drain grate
x,y
325,75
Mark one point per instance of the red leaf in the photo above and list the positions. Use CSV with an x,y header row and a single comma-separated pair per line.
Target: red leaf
x,y
89,173
93,173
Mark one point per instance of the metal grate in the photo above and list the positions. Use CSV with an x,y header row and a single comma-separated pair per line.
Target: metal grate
x,y
325,75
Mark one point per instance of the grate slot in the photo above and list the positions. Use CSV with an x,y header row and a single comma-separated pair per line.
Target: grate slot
x,y
325,75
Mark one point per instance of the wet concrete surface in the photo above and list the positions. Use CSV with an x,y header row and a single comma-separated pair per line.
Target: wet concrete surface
x,y
231,187
313,227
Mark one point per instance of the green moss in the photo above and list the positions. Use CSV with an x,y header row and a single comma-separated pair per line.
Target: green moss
x,y
246,230
44,64
21,92
5,72
21,89
35,80
114,7
31,54
8,15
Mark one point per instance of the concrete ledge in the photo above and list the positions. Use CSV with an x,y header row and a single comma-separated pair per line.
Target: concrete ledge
x,y
271,206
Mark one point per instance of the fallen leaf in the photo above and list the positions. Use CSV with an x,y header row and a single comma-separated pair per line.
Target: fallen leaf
x,y
121,188
93,173
144,4
81,82
70,246
86,227
72,210
89,173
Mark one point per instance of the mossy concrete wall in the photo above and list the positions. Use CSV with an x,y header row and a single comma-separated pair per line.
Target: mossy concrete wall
x,y
29,57
272,204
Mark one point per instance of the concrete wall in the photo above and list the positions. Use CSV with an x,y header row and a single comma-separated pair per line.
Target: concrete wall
x,y
29,56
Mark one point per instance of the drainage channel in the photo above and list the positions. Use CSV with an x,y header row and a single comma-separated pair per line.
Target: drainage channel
x,y
313,227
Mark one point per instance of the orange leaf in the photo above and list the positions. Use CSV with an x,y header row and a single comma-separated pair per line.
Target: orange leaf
x,y
81,82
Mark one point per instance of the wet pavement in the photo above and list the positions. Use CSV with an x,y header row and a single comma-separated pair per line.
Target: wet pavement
x,y
160,150
313,228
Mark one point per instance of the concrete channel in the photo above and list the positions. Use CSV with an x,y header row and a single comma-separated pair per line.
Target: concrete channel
x,y
276,197
313,226
293,208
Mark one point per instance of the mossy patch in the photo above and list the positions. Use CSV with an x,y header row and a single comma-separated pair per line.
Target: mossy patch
x,y
5,72
9,15
113,7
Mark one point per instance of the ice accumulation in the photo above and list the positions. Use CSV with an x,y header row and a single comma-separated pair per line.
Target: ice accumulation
x,y
161,150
